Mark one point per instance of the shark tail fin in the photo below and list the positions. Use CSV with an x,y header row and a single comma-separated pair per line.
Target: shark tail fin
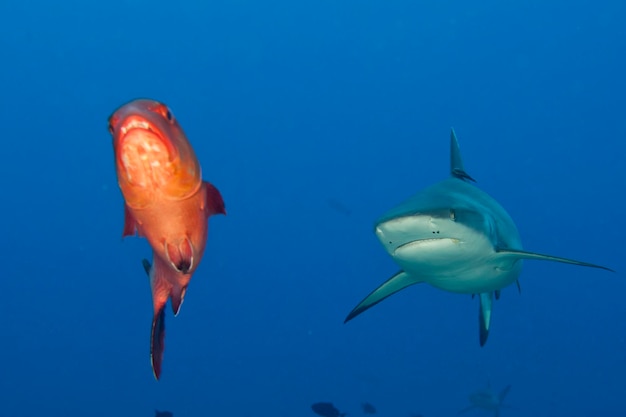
x,y
484,316
456,162
398,282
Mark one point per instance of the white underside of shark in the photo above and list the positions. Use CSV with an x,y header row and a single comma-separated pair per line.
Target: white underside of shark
x,y
455,237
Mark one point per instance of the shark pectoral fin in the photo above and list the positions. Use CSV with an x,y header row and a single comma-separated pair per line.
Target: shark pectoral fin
x,y
456,162
466,409
394,284
484,315
520,254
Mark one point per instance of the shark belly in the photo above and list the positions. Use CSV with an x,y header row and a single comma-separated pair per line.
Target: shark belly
x,y
462,277
466,266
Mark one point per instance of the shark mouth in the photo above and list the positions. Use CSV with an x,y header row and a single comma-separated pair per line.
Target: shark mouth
x,y
431,243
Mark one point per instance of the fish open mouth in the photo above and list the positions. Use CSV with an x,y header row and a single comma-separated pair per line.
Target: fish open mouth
x,y
145,153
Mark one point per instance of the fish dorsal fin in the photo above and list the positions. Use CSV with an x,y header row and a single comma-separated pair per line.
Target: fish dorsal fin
x,y
456,162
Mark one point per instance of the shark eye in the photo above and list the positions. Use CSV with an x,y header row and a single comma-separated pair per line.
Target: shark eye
x,y
452,215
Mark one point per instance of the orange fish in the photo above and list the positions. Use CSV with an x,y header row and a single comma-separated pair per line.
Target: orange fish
x,y
166,202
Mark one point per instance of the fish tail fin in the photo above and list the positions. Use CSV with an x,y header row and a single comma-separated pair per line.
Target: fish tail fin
x,y
161,289
157,342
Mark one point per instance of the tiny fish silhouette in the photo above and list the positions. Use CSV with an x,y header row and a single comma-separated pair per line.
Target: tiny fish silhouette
x,y
368,408
158,413
326,410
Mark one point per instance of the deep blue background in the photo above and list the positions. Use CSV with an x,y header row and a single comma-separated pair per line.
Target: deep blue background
x,y
295,108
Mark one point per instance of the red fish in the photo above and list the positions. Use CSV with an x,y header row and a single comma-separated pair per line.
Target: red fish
x,y
166,201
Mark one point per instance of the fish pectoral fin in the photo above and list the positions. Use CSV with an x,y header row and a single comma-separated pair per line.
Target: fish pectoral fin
x,y
484,316
157,341
213,202
130,224
521,254
394,284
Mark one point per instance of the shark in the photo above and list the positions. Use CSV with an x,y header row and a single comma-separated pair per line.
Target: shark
x,y
457,238
486,399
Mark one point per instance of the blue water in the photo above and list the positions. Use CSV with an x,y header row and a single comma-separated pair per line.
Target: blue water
x,y
312,118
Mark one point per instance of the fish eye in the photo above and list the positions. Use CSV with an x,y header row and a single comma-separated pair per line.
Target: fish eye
x,y
167,113
452,215
111,129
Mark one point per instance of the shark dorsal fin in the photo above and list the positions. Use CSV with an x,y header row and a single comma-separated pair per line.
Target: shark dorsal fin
x,y
456,162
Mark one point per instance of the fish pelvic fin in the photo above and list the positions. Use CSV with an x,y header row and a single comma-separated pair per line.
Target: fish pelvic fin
x,y
177,297
396,283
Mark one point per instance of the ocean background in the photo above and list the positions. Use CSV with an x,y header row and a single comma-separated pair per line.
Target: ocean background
x,y
312,118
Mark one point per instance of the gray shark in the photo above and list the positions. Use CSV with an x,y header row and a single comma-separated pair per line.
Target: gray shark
x,y
486,399
457,238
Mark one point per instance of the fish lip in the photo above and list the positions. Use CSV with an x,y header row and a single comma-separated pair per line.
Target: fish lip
x,y
133,123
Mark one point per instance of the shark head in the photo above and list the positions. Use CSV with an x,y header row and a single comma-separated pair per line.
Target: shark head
x,y
450,235
444,243
455,237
